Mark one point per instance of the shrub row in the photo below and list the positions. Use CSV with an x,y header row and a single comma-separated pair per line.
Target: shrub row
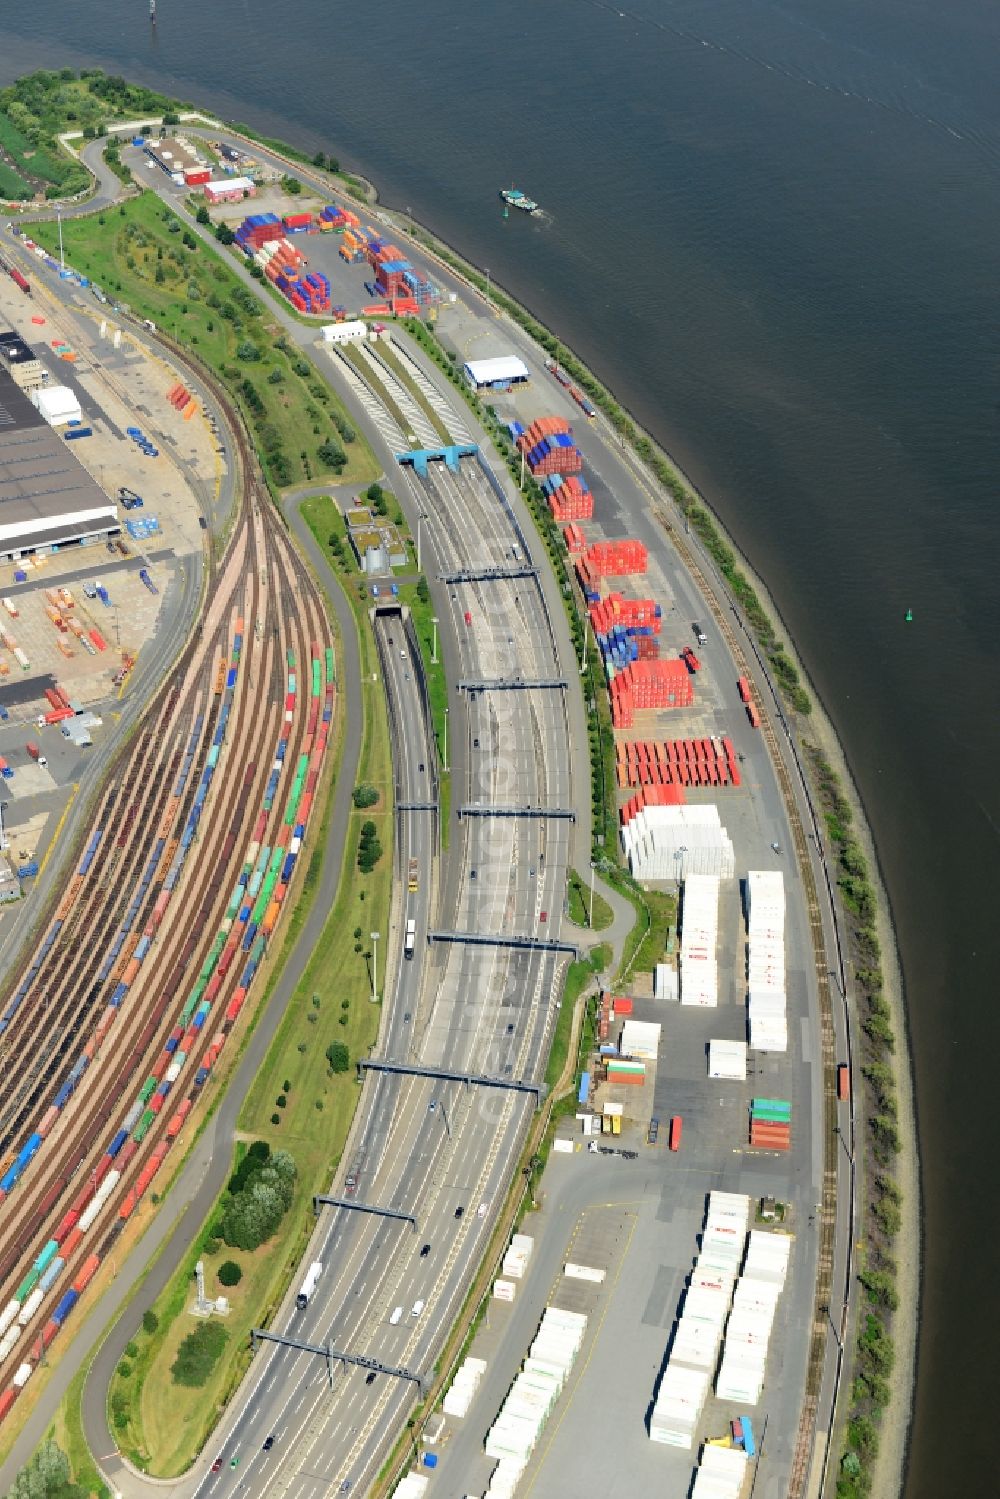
x,y
877,1112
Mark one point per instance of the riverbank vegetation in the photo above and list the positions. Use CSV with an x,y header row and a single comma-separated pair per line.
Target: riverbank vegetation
x,y
878,1139
143,256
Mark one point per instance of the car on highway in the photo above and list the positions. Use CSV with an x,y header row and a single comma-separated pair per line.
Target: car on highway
x,y
351,1185
397,1313
699,633
468,617
268,1443
217,1465
544,916
421,766
475,744
425,1251
459,1212
416,1309
370,1378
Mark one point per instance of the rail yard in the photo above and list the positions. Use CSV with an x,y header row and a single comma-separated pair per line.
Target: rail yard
x,y
119,1015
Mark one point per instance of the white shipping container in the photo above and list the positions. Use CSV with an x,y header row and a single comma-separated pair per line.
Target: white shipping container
x,y
8,1340
8,1314
22,1376
30,1306
584,1272
503,1290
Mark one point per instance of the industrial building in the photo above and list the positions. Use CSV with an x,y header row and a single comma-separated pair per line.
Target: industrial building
x,y
179,160
376,542
229,190
496,374
21,363
47,499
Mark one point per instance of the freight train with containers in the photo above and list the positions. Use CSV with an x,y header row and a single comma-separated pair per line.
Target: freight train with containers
x,y
237,951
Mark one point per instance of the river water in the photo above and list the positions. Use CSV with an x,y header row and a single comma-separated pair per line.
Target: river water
x,y
771,227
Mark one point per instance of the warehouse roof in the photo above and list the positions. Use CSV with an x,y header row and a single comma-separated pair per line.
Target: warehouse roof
x,y
496,371
172,155
14,350
44,489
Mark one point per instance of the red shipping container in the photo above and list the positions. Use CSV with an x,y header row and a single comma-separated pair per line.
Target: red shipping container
x,y
744,689
86,1272
676,1130
843,1082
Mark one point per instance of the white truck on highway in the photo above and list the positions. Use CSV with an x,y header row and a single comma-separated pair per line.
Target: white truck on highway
x,y
410,939
309,1284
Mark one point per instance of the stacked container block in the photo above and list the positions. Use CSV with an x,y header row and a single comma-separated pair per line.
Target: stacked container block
x,y
699,971
748,1332
568,497
766,1000
665,842
642,685
677,762
695,1345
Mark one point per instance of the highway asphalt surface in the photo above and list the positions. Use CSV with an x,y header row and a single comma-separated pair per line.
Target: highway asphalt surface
x,y
436,1149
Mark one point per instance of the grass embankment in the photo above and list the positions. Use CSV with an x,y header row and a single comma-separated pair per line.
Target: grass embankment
x,y
422,612
166,1424
404,377
142,254
579,904
40,106
656,913
878,1142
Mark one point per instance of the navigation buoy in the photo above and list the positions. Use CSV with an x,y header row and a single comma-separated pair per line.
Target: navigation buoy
x,y
909,616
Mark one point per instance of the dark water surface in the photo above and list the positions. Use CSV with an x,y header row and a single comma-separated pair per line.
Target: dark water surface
x,y
773,232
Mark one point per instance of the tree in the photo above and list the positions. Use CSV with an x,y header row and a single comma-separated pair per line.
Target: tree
x,y
338,1056
150,1321
224,234
247,351
364,795
230,1273
423,592
291,185
198,1354
319,159
330,452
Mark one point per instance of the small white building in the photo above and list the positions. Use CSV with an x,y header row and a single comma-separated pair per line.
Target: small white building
x,y
57,404
496,374
345,333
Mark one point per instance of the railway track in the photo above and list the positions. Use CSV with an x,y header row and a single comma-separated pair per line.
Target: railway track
x,y
826,1218
224,764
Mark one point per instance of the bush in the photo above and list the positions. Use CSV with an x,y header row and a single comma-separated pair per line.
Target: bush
x,y
198,1355
230,1273
364,795
150,1321
211,1246
331,453
124,1370
338,1056
247,351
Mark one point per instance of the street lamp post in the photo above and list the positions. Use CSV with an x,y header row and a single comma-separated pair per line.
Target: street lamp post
x,y
422,516
62,262
679,856
374,937
445,765
488,287
591,922
434,642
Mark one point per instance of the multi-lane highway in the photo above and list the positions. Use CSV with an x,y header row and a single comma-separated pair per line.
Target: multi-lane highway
x,y
439,1150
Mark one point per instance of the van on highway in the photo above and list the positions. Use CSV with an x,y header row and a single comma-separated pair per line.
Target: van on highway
x,y
397,1314
416,1308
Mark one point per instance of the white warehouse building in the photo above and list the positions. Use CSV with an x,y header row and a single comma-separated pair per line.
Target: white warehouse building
x,y
47,498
